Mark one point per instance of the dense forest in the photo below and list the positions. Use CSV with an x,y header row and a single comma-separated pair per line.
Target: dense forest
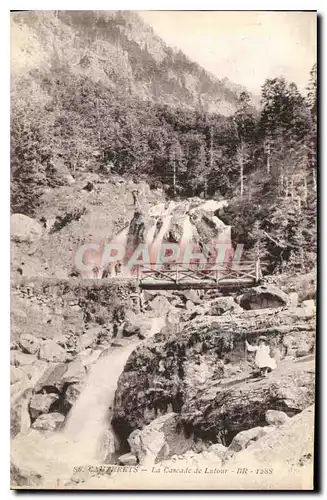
x,y
263,162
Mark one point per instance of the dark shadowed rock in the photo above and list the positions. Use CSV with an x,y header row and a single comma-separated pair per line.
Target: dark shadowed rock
x,y
24,476
130,329
263,297
41,403
243,405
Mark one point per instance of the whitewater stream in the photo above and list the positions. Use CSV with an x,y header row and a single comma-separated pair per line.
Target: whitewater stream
x,y
88,424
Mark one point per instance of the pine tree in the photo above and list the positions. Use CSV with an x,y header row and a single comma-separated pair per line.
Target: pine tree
x,y
244,128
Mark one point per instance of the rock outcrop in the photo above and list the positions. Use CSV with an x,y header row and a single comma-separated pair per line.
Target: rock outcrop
x,y
263,297
161,439
48,421
289,446
24,229
204,375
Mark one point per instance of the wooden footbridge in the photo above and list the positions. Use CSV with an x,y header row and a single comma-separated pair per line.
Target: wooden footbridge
x,y
180,276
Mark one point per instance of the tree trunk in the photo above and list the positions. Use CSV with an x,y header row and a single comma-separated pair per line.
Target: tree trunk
x,y
174,178
305,190
268,158
241,160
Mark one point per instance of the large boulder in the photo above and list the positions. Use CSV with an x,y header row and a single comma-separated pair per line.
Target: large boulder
x,y
41,403
276,418
75,372
89,337
24,229
160,305
225,410
244,438
288,450
48,422
29,343
53,352
309,306
18,358
158,440
263,297
222,305
128,459
129,329
17,374
52,380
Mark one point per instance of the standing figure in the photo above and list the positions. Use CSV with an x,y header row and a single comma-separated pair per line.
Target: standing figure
x,y
262,357
135,199
118,268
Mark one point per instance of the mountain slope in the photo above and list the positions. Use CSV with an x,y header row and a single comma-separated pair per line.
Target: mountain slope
x,y
118,49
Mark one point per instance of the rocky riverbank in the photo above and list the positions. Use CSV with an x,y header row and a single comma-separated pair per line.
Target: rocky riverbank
x,y
185,387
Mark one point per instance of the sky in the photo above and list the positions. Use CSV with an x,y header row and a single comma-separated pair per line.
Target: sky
x,y
246,47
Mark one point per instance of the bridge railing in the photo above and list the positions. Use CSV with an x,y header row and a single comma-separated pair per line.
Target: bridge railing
x,y
177,272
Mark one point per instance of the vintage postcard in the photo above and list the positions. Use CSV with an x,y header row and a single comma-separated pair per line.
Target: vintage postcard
x,y
163,250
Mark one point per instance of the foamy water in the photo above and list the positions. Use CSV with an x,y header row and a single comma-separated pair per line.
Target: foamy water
x,y
89,419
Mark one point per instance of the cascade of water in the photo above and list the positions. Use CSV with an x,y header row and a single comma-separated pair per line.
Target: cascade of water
x,y
150,233
89,419
166,219
187,231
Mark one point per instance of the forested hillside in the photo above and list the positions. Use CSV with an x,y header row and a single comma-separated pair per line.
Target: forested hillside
x,y
66,121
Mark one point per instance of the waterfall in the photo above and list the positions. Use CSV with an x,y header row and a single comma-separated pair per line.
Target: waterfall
x,y
166,219
187,231
89,419
150,233
88,428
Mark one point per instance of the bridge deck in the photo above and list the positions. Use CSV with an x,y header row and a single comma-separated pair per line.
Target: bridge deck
x,y
180,276
153,284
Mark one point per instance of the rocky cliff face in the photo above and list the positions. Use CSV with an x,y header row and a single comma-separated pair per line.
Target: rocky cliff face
x,y
120,50
200,370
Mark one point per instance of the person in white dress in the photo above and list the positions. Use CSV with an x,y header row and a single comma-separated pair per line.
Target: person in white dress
x,y
262,358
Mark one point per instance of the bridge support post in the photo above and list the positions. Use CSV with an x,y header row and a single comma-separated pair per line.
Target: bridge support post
x,y
257,270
